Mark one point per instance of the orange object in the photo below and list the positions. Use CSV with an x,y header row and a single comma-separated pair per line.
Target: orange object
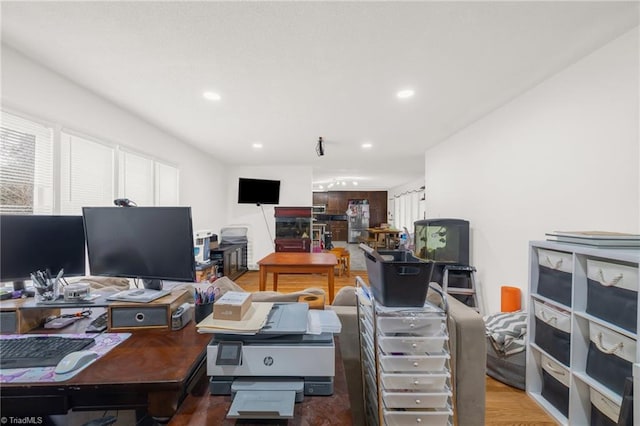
x,y
510,299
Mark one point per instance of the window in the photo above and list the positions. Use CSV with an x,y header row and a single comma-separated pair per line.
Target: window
x,y
47,171
86,174
26,166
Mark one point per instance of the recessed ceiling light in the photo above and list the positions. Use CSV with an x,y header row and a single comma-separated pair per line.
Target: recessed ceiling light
x,y
212,96
366,145
355,183
404,94
257,145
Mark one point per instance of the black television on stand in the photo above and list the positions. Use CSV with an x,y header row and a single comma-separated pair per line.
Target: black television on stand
x,y
443,241
148,243
30,243
258,191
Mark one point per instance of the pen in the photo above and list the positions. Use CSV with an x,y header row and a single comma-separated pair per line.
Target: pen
x,y
59,275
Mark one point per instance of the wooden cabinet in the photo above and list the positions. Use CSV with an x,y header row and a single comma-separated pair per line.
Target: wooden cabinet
x,y
231,260
582,329
337,202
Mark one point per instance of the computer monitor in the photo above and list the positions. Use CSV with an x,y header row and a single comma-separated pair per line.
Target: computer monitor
x,y
30,243
150,243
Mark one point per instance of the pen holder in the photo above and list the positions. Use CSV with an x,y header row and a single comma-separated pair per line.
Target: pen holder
x,y
203,311
48,293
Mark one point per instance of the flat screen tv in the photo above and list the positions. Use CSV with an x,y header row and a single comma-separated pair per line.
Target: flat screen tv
x,y
258,191
30,243
151,243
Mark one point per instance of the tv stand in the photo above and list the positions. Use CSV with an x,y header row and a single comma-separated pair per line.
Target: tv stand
x,y
231,259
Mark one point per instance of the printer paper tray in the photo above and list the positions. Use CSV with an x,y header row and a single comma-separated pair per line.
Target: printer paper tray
x,y
257,404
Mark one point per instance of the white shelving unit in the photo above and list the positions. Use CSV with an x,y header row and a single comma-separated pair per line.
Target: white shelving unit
x,y
406,374
580,384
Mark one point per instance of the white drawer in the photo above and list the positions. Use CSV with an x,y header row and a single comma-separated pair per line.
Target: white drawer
x,y
408,363
415,382
431,418
412,345
420,325
415,400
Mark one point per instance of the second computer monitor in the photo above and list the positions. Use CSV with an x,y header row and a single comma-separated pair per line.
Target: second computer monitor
x,y
151,243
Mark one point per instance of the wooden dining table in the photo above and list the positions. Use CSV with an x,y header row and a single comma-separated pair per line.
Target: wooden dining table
x,y
297,263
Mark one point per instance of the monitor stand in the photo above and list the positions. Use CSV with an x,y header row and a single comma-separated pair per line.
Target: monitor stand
x,y
152,284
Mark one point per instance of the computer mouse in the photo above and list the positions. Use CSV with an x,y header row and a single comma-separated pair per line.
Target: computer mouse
x,y
75,361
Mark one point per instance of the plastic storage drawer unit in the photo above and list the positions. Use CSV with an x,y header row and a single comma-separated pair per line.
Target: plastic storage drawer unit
x,y
553,331
612,293
555,275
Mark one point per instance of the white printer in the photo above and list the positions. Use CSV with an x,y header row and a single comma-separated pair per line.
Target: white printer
x,y
268,372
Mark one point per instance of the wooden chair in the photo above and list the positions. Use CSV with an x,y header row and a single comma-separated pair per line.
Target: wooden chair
x,y
344,260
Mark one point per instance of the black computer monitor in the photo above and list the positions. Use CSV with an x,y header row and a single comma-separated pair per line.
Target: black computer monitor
x,y
150,243
30,243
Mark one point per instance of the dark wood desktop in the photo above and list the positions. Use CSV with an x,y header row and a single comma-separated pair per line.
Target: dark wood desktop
x,y
150,372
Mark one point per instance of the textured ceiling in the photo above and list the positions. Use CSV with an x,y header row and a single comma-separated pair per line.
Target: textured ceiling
x,y
290,72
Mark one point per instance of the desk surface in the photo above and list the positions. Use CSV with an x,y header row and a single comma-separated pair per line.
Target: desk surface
x,y
151,369
201,408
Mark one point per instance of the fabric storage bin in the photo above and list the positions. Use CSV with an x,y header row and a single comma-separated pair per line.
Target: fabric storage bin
x,y
612,293
604,412
553,331
610,357
555,384
555,275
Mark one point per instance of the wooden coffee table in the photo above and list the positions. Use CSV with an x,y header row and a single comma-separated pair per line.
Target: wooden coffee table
x,y
297,263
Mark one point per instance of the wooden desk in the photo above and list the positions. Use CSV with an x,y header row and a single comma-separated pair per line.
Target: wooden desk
x,y
387,233
202,408
150,372
297,263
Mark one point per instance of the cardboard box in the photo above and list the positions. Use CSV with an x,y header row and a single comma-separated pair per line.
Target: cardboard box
x,y
232,306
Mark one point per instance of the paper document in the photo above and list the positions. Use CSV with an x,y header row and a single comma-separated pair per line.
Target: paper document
x,y
323,321
252,322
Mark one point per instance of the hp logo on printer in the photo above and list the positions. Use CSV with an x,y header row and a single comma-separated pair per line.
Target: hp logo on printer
x,y
268,361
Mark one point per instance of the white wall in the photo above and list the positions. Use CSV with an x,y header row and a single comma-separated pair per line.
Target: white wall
x,y
31,89
295,190
563,156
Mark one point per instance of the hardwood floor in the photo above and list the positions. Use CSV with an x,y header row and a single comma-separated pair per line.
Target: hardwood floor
x,y
504,405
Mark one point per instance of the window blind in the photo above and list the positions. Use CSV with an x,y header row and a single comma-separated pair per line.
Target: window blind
x,y
26,166
86,174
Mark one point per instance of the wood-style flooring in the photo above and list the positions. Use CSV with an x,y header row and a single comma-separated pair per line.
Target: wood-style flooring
x,y
505,405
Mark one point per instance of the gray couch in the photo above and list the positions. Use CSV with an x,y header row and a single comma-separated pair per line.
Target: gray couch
x,y
468,356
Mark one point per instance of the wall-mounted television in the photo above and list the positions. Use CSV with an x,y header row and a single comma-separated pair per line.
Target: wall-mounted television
x,y
258,191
